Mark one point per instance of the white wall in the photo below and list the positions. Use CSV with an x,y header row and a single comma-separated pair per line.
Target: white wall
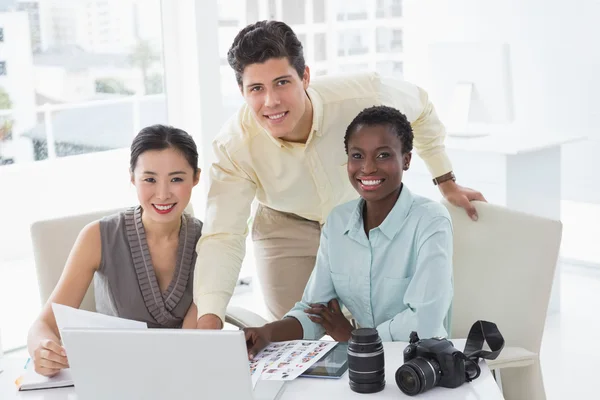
x,y
554,65
54,188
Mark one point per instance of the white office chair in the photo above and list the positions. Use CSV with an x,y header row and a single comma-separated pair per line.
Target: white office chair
x,y
503,271
52,242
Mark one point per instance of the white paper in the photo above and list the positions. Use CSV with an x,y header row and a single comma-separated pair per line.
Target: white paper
x,y
257,372
69,317
286,361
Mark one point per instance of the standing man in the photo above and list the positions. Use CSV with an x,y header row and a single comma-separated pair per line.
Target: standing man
x,y
285,148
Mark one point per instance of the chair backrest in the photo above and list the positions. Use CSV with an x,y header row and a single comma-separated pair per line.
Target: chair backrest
x,y
503,272
52,242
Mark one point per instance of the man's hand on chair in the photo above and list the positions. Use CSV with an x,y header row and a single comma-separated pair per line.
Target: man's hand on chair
x,y
209,321
461,197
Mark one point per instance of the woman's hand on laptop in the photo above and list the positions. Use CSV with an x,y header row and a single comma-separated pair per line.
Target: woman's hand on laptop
x,y
257,339
49,358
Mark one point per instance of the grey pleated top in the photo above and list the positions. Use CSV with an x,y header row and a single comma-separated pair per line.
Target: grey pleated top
x,y
125,284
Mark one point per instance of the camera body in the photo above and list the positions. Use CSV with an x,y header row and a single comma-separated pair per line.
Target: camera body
x,y
440,353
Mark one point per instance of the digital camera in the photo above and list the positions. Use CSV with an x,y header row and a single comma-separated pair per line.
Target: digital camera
x,y
433,362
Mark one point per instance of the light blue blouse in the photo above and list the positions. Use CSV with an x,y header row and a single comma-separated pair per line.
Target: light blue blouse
x,y
398,279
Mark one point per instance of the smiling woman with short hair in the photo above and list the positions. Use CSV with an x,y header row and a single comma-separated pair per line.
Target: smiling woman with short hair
x,y
386,256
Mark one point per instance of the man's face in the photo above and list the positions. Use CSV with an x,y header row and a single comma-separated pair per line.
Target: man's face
x,y
276,95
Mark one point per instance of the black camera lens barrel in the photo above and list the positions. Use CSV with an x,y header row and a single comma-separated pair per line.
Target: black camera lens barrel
x,y
366,366
417,375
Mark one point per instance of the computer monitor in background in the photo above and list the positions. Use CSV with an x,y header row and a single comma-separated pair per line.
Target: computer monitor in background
x,y
471,86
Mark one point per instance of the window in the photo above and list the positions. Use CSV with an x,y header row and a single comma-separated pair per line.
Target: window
x,y
350,68
302,39
294,11
389,9
320,47
251,10
319,11
397,36
352,10
66,119
272,9
390,68
389,40
353,42
229,14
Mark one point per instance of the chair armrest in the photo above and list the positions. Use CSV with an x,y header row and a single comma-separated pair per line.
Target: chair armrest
x,y
242,318
512,357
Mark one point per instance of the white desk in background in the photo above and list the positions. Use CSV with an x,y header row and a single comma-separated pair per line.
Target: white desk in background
x,y
483,388
521,172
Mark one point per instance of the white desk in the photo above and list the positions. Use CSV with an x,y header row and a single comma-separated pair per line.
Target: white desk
x,y
518,171
483,388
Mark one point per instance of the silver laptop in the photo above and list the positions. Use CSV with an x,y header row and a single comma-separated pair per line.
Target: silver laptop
x,y
162,364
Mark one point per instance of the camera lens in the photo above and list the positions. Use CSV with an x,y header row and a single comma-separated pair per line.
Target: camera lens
x,y
365,361
418,375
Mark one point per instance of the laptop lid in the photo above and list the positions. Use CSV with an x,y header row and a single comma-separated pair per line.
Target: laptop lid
x,y
158,364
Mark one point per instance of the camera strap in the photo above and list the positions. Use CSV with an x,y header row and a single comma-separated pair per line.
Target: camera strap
x,y
481,332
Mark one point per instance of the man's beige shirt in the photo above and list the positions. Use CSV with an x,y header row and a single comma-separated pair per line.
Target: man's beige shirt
x,y
305,179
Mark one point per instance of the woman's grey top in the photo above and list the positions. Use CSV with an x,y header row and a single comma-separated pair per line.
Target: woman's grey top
x,y
125,284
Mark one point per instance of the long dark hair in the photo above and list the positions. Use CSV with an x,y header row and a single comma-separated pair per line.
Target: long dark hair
x,y
160,137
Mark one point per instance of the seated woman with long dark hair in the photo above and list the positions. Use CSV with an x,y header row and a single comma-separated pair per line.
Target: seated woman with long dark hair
x,y
142,259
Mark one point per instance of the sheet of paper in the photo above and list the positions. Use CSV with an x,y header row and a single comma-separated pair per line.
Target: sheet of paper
x,y
256,372
69,317
286,361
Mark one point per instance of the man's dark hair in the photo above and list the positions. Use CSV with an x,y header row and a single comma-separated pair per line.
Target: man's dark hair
x,y
161,137
383,115
262,41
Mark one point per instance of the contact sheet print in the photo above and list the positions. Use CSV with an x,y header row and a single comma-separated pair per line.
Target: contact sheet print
x,y
286,361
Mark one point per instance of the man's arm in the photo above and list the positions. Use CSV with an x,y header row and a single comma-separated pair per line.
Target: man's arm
x,y
429,132
429,293
222,246
429,135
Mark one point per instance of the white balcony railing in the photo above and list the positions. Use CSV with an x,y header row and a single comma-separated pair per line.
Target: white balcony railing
x,y
48,109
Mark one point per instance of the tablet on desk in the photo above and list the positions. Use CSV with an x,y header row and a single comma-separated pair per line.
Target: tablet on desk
x,y
333,365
